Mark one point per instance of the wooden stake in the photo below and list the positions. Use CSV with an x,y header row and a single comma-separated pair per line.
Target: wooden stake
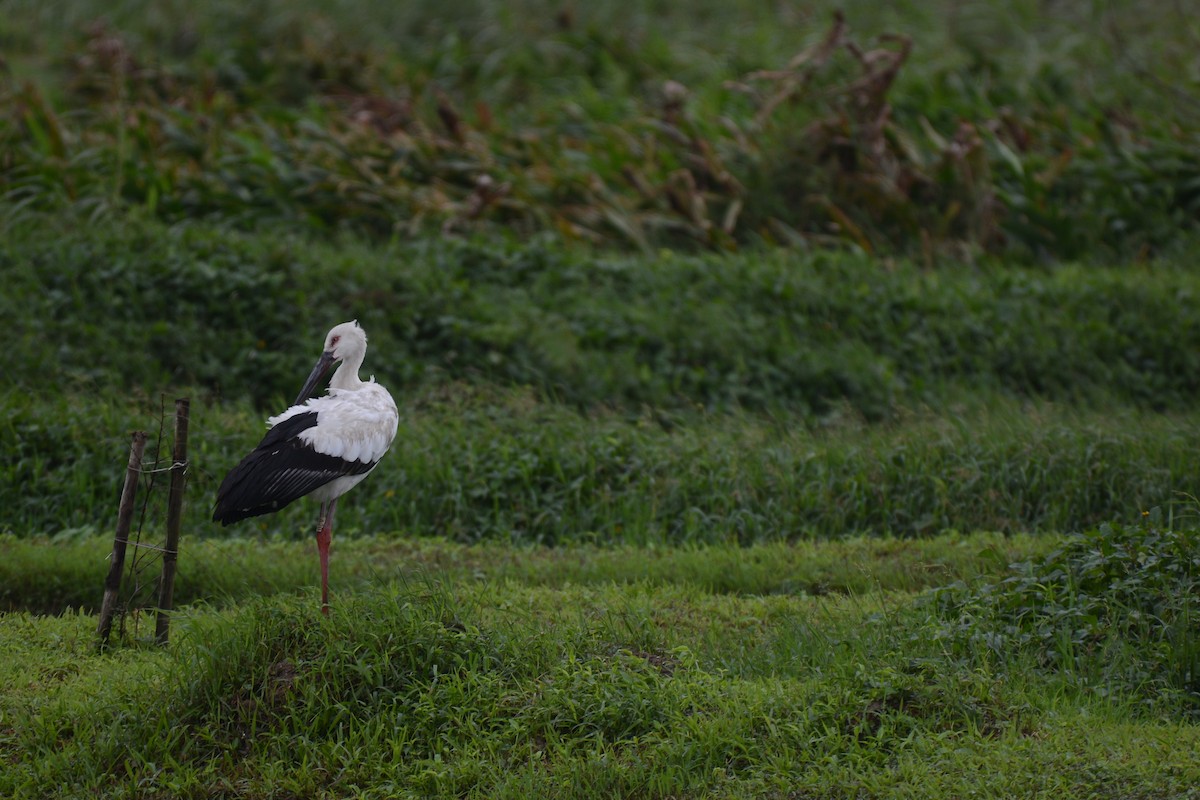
x,y
112,583
174,515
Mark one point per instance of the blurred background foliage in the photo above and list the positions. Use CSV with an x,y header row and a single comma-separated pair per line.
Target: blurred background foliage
x,y
943,130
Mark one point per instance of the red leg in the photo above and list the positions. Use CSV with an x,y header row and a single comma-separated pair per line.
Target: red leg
x,y
324,537
324,534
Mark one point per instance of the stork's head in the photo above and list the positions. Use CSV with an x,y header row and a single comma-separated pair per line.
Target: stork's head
x,y
345,342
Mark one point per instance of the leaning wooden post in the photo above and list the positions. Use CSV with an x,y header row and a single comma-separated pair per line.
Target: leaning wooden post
x,y
112,583
174,516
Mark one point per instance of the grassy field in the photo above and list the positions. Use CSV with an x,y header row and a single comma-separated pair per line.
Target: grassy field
x,y
584,673
507,468
796,402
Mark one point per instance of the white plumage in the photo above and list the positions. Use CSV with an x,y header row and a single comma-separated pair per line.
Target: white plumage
x,y
352,424
320,446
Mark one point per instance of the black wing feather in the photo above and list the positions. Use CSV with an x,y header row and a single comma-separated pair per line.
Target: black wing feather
x,y
280,470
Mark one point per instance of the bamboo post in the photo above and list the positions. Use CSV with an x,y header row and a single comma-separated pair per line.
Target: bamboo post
x,y
112,583
174,515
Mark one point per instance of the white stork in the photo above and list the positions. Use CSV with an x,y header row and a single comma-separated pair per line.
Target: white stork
x,y
321,446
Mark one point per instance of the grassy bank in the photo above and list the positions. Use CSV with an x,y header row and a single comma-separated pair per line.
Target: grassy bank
x,y
455,684
496,466
237,316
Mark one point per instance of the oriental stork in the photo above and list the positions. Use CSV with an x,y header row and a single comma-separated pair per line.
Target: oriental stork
x,y
321,446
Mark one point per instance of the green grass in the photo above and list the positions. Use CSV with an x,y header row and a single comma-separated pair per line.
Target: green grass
x,y
45,576
501,467
1117,606
145,306
450,685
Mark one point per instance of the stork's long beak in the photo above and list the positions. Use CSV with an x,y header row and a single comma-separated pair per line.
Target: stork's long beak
x,y
314,379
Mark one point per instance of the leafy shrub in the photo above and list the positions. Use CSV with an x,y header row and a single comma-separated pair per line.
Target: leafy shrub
x,y
1117,608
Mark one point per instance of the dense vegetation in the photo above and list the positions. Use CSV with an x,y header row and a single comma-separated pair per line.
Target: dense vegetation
x,y
937,129
552,396
507,468
796,402
225,314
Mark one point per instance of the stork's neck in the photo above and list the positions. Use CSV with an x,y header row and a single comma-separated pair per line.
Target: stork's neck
x,y
346,375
